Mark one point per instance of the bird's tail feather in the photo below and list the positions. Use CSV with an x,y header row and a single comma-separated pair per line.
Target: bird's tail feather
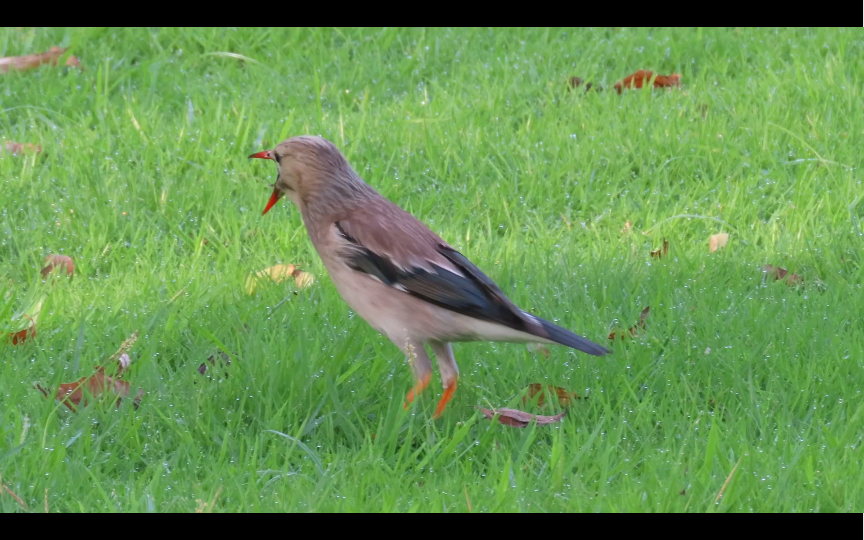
x,y
566,337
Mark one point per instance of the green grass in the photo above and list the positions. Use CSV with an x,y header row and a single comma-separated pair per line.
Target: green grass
x,y
476,134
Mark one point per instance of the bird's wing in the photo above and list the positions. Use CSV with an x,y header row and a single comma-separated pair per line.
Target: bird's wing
x,y
409,257
392,246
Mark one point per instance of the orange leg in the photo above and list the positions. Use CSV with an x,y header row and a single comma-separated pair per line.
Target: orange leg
x,y
448,395
421,385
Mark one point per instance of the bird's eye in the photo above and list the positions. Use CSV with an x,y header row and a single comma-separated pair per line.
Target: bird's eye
x,y
278,158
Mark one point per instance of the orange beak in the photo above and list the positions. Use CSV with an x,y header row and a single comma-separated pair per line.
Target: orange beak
x,y
262,155
267,154
273,198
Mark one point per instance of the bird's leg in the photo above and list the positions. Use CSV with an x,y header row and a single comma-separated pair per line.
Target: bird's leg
x,y
449,372
421,365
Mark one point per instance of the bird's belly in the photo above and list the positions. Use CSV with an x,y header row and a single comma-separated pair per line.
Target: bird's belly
x,y
384,308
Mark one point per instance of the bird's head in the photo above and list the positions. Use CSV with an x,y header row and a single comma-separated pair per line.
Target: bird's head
x,y
309,168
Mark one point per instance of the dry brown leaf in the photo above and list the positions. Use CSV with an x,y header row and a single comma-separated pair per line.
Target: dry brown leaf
x,y
204,240
535,348
576,82
635,328
16,338
71,394
56,261
278,274
718,241
97,385
627,228
779,273
516,418
15,148
31,61
658,253
564,397
31,315
638,80
223,358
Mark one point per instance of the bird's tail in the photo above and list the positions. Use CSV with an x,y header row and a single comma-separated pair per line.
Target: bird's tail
x,y
566,337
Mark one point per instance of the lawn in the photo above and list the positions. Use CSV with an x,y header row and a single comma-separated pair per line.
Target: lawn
x,y
739,393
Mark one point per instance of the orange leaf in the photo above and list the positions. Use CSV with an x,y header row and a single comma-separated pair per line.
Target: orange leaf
x,y
30,314
564,397
538,348
717,241
779,273
635,328
55,261
15,148
658,253
71,394
516,418
638,79
99,384
31,61
21,336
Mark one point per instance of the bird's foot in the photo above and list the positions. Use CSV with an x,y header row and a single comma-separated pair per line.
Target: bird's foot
x,y
421,385
448,395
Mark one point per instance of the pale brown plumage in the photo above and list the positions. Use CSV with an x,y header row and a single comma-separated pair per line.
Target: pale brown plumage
x,y
396,273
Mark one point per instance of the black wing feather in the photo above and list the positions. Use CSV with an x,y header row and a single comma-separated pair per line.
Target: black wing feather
x,y
473,294
466,295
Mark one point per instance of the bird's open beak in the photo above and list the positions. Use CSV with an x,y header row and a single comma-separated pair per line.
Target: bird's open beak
x,y
267,154
273,198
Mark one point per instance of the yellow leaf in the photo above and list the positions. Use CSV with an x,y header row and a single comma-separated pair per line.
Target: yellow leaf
x,y
278,274
303,279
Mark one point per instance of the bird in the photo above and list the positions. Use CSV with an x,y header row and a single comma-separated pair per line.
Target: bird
x,y
393,271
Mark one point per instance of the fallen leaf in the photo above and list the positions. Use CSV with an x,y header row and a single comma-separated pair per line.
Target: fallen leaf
x,y
635,328
55,261
718,241
535,348
71,394
779,273
22,335
658,253
99,384
31,61
627,227
15,148
576,82
28,316
303,279
278,274
204,240
224,359
516,418
638,79
564,397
